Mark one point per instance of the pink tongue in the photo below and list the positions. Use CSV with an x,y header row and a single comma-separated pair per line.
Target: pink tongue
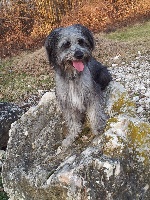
x,y
78,65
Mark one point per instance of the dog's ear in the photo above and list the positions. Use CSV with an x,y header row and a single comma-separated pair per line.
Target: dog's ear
x,y
100,73
51,45
88,34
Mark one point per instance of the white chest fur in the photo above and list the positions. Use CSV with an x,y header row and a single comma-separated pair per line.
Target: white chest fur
x,y
70,93
75,93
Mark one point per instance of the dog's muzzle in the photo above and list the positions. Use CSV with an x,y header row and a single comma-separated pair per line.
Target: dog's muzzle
x,y
79,55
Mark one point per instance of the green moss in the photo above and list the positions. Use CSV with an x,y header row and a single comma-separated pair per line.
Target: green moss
x,y
138,132
111,151
124,134
109,122
123,105
3,195
139,139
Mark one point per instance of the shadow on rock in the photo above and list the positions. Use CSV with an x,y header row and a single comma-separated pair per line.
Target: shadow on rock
x,y
9,113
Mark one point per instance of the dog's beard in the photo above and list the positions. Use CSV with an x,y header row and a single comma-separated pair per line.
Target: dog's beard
x,y
77,65
74,65
67,65
70,69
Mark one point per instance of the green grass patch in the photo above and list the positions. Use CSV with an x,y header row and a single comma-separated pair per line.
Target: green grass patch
x,y
136,32
16,87
3,195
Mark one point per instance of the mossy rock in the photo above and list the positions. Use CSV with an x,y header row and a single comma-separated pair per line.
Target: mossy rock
x,y
125,132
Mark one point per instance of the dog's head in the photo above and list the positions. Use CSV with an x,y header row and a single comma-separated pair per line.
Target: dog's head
x,y
70,46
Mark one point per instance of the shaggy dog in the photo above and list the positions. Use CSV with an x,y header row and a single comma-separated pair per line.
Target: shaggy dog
x,y
80,79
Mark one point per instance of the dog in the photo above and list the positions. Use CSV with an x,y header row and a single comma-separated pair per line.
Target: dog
x,y
80,79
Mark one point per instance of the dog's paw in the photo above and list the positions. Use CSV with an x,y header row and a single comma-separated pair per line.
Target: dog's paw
x,y
66,143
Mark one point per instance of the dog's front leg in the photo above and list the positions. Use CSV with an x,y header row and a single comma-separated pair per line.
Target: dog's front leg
x,y
96,116
74,124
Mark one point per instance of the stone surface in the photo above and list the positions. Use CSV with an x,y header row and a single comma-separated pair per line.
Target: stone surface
x,y
136,79
112,166
9,113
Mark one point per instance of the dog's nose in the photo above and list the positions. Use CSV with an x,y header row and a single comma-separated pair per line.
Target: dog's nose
x,y
78,54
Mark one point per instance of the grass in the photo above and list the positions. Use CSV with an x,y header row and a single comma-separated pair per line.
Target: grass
x,y
126,42
18,86
134,33
20,78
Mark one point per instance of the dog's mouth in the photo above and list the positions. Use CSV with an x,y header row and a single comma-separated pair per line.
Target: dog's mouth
x,y
78,65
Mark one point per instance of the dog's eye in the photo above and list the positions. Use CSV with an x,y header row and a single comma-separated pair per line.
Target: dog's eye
x,y
66,45
81,42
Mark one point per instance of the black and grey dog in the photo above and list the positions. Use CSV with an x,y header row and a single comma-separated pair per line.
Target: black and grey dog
x,y
80,79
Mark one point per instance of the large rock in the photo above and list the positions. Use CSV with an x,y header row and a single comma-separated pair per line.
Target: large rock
x,y
9,113
113,166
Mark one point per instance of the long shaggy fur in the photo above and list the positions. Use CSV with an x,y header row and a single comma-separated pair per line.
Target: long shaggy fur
x,y
79,92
